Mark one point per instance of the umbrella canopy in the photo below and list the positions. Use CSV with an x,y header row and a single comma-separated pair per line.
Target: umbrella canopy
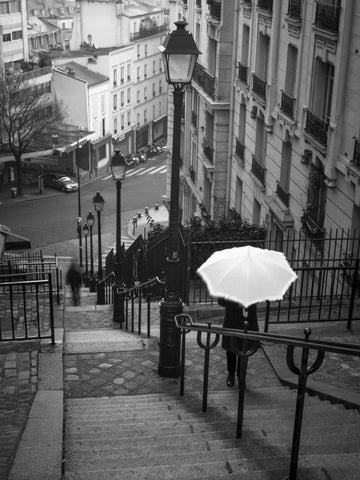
x,y
247,275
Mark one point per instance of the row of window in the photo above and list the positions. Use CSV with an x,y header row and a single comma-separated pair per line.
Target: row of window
x,y
120,80
119,123
12,6
8,37
119,99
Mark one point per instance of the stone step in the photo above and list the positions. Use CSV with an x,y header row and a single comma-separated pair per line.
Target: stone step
x,y
191,466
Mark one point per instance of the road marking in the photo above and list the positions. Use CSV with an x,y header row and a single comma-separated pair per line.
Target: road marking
x,y
148,170
161,169
135,172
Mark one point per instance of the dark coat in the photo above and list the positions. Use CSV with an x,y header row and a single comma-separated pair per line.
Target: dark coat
x,y
234,319
73,276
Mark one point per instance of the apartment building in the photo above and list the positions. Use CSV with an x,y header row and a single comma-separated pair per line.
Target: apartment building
x,y
120,40
271,124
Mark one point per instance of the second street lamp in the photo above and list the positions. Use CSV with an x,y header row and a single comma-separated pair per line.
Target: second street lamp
x,y
90,219
118,167
179,56
99,202
86,276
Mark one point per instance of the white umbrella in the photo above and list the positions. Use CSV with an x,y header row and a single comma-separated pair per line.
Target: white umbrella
x,y
247,275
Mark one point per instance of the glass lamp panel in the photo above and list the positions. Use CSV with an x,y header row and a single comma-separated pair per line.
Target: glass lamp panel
x,y
180,67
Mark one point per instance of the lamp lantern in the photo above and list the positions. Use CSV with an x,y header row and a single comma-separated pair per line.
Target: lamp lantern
x,y
179,53
118,166
98,202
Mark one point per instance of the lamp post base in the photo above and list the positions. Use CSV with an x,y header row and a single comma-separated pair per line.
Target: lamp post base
x,y
100,288
169,360
118,315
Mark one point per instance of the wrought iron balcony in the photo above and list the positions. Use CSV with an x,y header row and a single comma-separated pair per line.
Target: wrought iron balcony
x,y
294,8
356,155
317,128
205,80
242,73
194,119
310,225
266,4
239,149
208,151
259,86
327,15
258,170
37,72
147,32
215,9
287,104
282,194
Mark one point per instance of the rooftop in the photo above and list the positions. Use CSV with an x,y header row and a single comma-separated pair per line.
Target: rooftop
x,y
73,69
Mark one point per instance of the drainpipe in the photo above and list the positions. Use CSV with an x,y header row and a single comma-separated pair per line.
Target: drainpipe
x,y
274,55
232,100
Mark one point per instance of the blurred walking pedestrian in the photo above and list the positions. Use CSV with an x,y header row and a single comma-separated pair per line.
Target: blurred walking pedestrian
x,y
74,279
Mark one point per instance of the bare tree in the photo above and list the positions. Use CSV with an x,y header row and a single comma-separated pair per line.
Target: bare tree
x,y
28,115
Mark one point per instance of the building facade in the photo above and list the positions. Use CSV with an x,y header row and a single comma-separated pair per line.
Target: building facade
x,y
271,123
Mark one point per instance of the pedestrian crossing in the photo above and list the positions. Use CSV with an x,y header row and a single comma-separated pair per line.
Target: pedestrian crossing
x,y
138,171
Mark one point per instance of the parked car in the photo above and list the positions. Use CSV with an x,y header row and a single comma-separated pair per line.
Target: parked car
x,y
60,182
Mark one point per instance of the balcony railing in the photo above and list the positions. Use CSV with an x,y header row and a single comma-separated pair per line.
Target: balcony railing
x,y
294,8
259,87
205,80
37,72
148,32
215,9
282,194
356,155
208,151
327,15
239,149
317,128
242,73
258,170
266,4
287,104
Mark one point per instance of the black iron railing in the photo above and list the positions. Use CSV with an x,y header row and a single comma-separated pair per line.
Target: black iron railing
x,y
327,15
137,304
287,104
259,86
265,4
242,73
204,80
356,154
294,8
215,9
311,358
208,151
107,284
282,194
317,127
27,307
149,32
258,170
239,149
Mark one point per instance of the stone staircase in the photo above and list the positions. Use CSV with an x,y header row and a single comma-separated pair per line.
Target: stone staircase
x,y
148,437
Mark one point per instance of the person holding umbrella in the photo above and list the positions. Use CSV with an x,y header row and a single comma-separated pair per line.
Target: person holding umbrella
x,y
241,277
234,318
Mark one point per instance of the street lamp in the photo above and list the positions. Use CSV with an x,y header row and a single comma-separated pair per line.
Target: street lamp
x,y
99,202
78,227
179,53
86,233
118,169
90,219
78,146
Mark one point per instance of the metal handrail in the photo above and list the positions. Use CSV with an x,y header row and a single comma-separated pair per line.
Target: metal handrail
x,y
185,324
138,292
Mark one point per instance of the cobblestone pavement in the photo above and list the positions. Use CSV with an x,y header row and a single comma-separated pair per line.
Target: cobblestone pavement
x,y
18,383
